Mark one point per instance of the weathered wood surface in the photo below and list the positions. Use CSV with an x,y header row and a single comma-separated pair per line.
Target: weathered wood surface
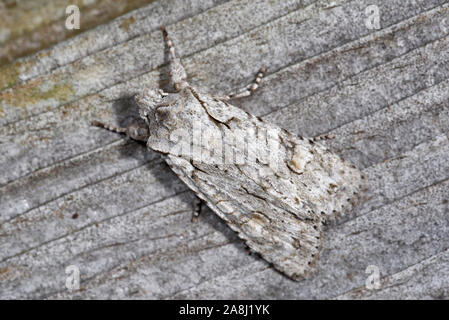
x,y
27,26
72,194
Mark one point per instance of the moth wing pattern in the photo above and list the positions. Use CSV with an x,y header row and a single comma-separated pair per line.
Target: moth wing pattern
x,y
290,244
332,186
279,211
337,185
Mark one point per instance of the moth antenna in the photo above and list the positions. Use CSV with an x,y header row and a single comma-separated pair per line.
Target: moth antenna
x,y
326,136
197,204
134,131
178,74
108,127
254,86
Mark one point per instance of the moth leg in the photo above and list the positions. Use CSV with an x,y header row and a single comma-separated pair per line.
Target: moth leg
x,y
197,204
248,90
136,131
248,250
326,136
177,72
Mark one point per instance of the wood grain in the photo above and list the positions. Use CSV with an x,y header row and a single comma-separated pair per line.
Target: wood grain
x,y
73,194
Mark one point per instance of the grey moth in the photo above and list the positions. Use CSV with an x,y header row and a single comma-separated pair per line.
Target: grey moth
x,y
275,189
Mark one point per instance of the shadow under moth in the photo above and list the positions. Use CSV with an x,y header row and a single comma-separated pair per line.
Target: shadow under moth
x,y
275,189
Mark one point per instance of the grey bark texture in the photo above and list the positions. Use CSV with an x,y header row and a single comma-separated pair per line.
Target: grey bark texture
x,y
75,195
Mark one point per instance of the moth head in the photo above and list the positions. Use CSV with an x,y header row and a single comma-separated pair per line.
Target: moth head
x,y
148,100
161,109
151,106
167,114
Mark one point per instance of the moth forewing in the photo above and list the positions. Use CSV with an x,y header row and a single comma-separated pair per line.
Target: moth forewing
x,y
278,209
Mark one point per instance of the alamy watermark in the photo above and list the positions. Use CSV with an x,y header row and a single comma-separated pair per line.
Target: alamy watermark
x,y
72,281
372,21
225,147
73,19
373,280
